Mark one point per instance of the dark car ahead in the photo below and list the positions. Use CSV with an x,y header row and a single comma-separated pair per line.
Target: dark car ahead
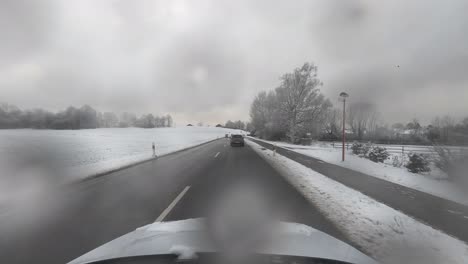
x,y
237,139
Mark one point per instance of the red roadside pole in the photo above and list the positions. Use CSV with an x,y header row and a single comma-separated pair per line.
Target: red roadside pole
x,y
344,117
344,96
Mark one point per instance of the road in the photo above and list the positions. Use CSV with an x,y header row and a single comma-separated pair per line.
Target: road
x,y
442,214
213,180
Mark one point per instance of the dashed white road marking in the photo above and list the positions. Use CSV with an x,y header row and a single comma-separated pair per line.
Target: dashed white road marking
x,y
172,205
217,154
454,212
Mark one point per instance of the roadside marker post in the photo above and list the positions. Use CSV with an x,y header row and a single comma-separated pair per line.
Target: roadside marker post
x,y
154,150
343,96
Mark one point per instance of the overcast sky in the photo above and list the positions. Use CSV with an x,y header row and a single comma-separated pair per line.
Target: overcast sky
x,y
206,60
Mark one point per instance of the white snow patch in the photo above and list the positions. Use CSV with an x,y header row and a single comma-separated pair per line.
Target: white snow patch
x,y
432,182
34,159
386,234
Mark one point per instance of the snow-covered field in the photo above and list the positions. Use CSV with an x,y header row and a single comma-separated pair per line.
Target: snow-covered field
x,y
32,158
433,182
386,234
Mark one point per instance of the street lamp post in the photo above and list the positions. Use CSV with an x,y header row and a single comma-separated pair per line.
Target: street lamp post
x,y
344,95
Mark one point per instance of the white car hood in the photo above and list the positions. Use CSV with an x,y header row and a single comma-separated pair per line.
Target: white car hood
x,y
191,236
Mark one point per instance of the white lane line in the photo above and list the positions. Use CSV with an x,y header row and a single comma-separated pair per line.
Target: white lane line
x,y
319,161
172,205
454,212
217,154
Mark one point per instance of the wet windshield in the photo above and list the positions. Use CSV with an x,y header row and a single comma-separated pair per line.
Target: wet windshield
x,y
347,119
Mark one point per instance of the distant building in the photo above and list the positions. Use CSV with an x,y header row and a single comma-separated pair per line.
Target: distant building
x,y
408,133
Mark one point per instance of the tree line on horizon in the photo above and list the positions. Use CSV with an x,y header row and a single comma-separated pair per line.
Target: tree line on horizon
x,y
297,110
84,117
237,125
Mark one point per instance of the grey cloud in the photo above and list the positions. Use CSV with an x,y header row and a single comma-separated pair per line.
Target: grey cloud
x,y
203,69
25,28
206,60
403,57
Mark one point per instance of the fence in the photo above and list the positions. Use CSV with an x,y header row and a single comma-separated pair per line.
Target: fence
x,y
406,149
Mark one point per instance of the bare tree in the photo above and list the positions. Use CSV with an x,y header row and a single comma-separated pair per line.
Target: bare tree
x,y
88,117
300,101
293,109
229,124
265,118
465,121
374,121
362,118
334,120
258,111
169,120
127,119
447,123
110,119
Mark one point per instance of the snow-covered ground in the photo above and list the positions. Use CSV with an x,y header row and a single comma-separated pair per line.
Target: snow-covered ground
x,y
433,182
386,234
33,158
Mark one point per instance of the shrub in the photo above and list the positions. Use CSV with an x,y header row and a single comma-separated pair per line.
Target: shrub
x,y
444,160
454,164
417,163
356,148
378,154
366,148
361,149
399,161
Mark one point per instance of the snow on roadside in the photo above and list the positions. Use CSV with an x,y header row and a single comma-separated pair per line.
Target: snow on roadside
x,y
383,232
34,159
429,183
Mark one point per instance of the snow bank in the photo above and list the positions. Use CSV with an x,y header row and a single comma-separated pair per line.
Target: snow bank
x,y
384,233
432,182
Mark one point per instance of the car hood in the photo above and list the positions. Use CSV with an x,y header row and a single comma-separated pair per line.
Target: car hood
x,y
191,236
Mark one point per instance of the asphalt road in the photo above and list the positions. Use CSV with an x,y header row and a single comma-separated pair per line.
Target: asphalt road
x,y
213,180
442,214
